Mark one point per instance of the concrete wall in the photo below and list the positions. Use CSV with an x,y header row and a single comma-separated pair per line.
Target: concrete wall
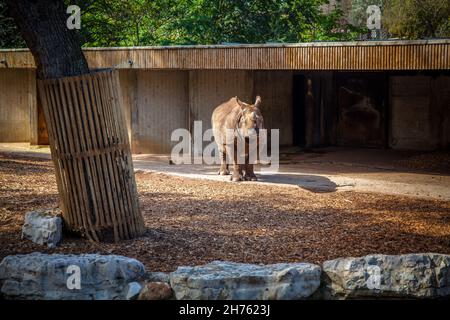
x,y
128,84
275,89
156,102
209,88
17,105
419,112
160,101
161,106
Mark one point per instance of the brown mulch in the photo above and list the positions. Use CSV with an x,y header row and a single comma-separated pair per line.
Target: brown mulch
x,y
437,161
192,222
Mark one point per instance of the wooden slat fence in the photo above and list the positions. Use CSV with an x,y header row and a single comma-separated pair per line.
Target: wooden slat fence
x,y
91,153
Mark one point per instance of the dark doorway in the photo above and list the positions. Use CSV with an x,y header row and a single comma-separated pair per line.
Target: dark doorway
x,y
362,104
298,110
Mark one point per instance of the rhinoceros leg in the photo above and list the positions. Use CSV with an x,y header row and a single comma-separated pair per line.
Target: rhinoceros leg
x,y
248,167
223,161
249,174
237,173
237,169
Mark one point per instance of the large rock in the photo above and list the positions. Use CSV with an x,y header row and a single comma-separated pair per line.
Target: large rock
x,y
133,290
43,276
228,280
42,228
412,275
156,291
157,277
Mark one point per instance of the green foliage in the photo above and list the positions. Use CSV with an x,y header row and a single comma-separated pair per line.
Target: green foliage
x,y
114,22
109,23
415,19
9,34
169,22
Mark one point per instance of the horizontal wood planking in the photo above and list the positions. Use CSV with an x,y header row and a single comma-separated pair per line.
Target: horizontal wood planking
x,y
384,55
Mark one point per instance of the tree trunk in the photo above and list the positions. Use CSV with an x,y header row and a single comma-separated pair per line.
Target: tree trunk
x,y
56,49
87,132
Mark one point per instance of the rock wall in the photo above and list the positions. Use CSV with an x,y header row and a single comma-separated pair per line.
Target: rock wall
x,y
239,281
68,277
384,276
43,276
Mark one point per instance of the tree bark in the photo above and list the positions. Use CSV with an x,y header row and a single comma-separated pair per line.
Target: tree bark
x,y
56,49
87,131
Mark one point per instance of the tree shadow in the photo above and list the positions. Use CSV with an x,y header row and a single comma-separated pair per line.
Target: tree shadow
x,y
313,183
25,166
185,230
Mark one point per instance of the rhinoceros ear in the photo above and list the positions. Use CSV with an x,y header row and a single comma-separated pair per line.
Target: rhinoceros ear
x,y
240,103
258,101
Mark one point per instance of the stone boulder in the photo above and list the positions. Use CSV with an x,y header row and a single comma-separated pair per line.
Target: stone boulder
x,y
60,277
42,228
228,280
157,277
156,291
384,276
133,290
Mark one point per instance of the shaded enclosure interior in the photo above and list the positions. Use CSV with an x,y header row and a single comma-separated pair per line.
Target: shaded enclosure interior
x,y
386,109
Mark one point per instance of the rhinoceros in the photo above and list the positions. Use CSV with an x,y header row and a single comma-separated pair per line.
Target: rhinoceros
x,y
241,121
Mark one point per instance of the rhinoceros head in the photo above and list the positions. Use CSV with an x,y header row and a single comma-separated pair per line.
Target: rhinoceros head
x,y
250,119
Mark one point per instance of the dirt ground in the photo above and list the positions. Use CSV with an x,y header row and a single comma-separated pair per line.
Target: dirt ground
x,y
194,221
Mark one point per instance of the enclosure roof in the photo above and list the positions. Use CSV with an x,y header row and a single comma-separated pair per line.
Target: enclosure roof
x,y
360,55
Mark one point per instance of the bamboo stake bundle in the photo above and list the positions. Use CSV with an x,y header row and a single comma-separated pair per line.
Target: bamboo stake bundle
x,y
91,153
